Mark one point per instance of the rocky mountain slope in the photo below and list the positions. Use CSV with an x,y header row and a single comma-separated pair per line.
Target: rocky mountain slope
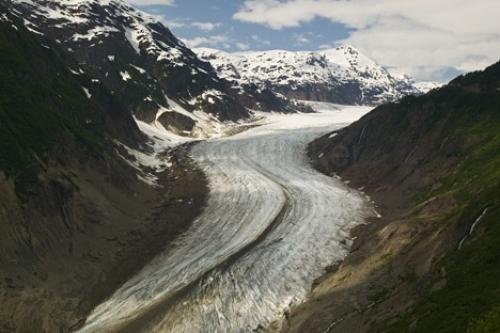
x,y
341,75
153,74
82,205
430,263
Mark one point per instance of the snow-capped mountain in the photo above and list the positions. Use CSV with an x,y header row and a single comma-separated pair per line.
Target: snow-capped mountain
x,y
426,86
144,65
340,75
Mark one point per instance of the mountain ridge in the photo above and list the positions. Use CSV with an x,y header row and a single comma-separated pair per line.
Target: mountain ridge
x,y
340,75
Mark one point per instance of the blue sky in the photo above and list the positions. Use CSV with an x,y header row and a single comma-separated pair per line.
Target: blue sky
x,y
427,39
211,24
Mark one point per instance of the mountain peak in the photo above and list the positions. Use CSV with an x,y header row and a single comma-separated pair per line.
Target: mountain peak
x,y
341,75
347,47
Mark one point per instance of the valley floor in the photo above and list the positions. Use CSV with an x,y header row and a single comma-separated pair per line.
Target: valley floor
x,y
272,225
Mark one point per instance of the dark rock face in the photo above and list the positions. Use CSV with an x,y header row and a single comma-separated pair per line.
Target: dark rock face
x,y
349,92
346,93
176,122
266,99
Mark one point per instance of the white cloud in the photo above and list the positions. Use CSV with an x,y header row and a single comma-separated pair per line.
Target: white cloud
x,y
172,24
217,41
301,39
260,40
151,2
325,46
206,26
422,36
243,46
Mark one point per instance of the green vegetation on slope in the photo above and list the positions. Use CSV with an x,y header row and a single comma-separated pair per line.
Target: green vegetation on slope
x,y
433,163
470,301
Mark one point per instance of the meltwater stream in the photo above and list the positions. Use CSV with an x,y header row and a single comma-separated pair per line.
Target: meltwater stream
x,y
271,226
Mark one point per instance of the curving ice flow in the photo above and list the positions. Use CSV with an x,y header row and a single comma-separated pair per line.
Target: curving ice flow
x,y
271,226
